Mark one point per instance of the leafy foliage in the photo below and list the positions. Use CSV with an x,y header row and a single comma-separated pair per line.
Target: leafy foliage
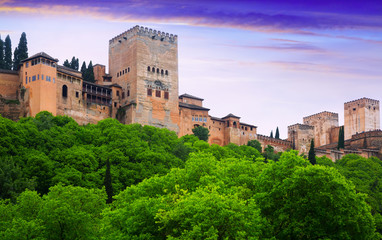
x,y
201,132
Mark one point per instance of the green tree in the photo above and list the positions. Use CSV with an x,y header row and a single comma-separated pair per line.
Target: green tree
x,y
1,54
83,71
74,64
277,135
271,136
301,201
21,52
8,53
108,183
201,132
341,138
90,72
312,154
66,63
255,144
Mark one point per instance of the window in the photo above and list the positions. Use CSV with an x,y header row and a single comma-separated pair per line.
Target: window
x,y
128,92
128,69
148,68
166,95
38,76
153,70
42,76
123,71
158,70
26,80
115,104
200,119
157,93
117,93
29,79
117,74
54,80
77,94
27,64
33,78
166,72
234,125
149,92
64,91
193,118
204,119
161,72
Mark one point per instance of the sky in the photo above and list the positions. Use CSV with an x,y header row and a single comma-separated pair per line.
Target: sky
x,y
270,62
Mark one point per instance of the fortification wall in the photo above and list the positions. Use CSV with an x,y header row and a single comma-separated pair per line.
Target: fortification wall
x,y
9,84
361,115
367,140
322,123
301,135
278,144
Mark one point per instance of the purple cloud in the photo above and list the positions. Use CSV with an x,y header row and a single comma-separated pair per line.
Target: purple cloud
x,y
275,15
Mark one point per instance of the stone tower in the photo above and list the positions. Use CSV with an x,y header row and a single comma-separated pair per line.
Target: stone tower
x,y
322,122
38,74
144,63
360,116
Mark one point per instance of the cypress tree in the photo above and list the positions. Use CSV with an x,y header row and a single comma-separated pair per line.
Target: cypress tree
x,y
90,72
67,64
271,134
21,53
74,64
1,53
8,53
341,138
277,135
108,183
84,71
312,154
16,59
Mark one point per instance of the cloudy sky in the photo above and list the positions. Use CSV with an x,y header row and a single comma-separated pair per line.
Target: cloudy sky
x,y
270,62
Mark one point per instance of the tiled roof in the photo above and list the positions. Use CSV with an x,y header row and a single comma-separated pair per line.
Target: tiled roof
x,y
8,71
230,115
191,106
190,96
40,54
67,70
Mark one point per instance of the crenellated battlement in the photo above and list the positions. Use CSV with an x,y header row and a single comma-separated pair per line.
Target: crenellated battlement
x,y
147,32
363,100
300,127
321,114
273,140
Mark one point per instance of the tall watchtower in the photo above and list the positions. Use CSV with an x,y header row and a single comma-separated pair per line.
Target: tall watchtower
x,y
144,62
38,75
360,116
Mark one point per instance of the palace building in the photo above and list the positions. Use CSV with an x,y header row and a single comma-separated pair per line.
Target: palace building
x,y
142,86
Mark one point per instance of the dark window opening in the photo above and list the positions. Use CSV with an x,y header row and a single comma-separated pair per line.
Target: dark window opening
x,y
77,94
157,70
227,124
64,91
153,70
125,70
118,93
166,95
123,95
128,69
115,104
161,72
128,92
157,93
234,125
117,74
166,72
149,92
148,69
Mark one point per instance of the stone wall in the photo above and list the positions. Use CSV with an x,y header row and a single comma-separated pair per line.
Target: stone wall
x,y
300,136
9,84
361,115
279,145
322,123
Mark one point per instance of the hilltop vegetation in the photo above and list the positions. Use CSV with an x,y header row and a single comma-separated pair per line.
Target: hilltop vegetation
x,y
53,178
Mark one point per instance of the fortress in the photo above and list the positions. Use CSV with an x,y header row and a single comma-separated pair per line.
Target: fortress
x,y
142,87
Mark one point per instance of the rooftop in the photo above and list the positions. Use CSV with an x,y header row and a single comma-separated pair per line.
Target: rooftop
x,y
191,106
40,54
230,115
190,96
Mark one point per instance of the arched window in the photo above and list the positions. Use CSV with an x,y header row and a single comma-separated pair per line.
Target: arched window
x,y
153,70
64,91
157,70
234,125
166,72
148,68
128,69
161,72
